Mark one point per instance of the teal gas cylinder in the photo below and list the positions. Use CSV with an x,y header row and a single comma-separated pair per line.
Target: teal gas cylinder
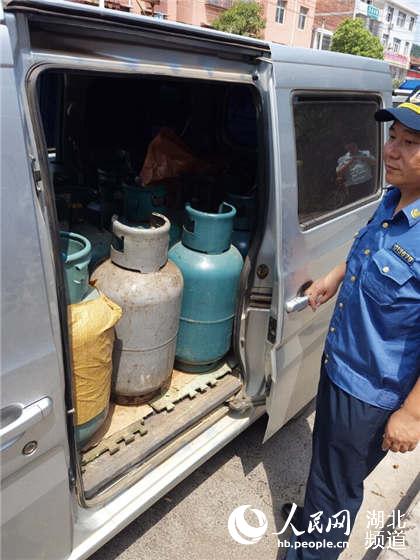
x,y
211,267
100,240
85,431
244,221
76,254
141,202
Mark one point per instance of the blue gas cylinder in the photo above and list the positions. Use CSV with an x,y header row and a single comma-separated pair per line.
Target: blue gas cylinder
x,y
241,240
141,202
244,220
211,267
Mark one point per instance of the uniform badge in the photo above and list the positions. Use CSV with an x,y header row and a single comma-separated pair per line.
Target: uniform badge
x,y
402,253
415,213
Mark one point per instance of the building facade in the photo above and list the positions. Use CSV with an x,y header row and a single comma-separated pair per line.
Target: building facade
x,y
122,5
396,30
287,21
414,71
391,21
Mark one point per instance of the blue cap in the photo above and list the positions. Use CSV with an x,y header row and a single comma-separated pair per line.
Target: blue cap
x,y
407,113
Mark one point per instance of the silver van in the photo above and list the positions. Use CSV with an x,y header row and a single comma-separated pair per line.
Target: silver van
x,y
79,85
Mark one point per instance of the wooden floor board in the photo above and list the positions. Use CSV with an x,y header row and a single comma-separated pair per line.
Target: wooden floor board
x,y
153,427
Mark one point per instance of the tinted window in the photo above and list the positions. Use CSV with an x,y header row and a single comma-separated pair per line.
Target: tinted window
x,y
241,118
338,151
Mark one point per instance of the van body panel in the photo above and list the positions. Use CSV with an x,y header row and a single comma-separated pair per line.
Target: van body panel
x,y
6,58
36,514
306,255
35,486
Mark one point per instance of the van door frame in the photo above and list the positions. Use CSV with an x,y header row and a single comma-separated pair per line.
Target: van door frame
x,y
48,190
258,274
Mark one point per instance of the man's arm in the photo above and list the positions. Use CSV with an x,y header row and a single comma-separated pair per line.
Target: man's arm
x,y
402,432
343,164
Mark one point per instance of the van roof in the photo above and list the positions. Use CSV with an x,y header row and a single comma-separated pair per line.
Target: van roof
x,y
281,53
248,46
73,9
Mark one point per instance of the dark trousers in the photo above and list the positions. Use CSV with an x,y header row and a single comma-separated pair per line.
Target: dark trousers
x,y
346,441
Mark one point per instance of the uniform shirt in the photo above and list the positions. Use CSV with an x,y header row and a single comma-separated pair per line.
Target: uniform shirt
x,y
372,349
359,171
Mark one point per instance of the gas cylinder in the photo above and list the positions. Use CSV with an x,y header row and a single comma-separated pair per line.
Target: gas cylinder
x,y
100,240
148,288
75,252
140,202
244,221
211,267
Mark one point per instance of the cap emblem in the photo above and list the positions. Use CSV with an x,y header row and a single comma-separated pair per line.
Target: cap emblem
x,y
412,106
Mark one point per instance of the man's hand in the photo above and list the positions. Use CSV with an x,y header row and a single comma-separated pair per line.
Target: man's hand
x,y
325,288
402,432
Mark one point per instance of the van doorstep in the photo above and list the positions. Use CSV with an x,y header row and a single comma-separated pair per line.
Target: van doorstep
x,y
133,445
136,474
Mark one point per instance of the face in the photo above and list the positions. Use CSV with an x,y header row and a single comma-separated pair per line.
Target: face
x,y
351,147
402,158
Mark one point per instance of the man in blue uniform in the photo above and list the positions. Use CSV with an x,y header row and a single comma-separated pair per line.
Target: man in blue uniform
x,y
355,171
369,391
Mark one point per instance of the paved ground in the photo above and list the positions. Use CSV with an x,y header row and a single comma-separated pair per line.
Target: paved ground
x,y
412,536
190,523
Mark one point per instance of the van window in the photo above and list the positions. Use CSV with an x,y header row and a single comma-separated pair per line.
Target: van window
x,y
240,118
337,151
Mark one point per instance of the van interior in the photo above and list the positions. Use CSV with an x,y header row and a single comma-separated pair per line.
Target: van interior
x,y
97,129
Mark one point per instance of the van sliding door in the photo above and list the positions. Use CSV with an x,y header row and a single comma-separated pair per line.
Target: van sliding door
x,y
35,497
316,212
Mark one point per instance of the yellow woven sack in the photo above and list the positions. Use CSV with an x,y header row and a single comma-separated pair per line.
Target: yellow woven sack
x,y
91,329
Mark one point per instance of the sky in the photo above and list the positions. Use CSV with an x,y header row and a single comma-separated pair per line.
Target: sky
x,y
415,4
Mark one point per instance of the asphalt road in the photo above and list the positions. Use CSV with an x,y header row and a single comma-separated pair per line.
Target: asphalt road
x,y
190,523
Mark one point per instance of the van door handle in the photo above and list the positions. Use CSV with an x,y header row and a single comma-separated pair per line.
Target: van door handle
x,y
20,418
296,304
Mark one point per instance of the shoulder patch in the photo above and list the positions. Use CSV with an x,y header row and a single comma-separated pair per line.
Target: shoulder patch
x,y
402,253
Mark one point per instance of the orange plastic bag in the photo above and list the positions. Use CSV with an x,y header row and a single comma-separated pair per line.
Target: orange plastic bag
x,y
168,156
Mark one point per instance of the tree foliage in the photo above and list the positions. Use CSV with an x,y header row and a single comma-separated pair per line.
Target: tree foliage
x,y
243,18
352,37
